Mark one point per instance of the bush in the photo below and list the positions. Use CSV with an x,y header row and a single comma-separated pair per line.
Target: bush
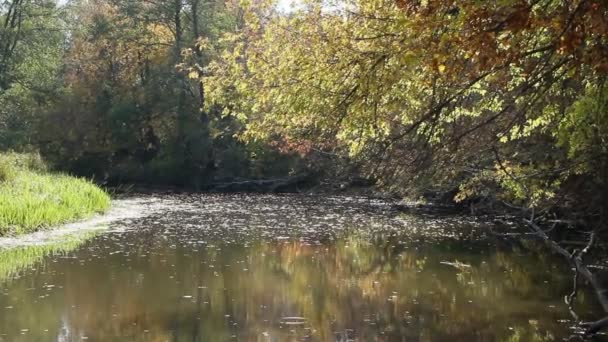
x,y
7,168
11,163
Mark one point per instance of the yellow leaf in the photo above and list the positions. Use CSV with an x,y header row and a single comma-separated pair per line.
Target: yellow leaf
x,y
441,68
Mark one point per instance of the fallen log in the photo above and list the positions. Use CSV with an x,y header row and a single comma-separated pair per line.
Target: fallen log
x,y
595,327
575,259
288,184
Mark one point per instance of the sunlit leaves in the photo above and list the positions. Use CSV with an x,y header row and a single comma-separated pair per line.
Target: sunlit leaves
x,y
584,131
431,87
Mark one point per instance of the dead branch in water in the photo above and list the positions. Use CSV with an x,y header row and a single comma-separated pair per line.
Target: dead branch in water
x,y
575,259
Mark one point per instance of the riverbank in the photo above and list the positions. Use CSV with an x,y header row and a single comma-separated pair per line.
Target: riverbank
x,y
19,253
32,198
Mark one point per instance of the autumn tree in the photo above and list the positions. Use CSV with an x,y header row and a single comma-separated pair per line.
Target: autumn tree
x,y
468,98
131,109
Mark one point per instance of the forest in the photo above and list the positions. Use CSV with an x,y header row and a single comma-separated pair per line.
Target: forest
x,y
488,104
496,108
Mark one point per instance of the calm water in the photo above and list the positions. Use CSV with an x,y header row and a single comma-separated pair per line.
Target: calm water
x,y
288,268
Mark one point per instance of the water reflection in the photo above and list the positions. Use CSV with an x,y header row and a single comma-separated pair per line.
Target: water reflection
x,y
265,268
15,260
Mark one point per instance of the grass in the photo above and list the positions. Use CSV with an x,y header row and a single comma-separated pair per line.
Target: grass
x,y
31,198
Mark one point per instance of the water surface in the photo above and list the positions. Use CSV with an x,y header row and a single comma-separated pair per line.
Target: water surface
x,y
289,268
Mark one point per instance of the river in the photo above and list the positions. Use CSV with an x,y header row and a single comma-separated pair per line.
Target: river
x,y
202,267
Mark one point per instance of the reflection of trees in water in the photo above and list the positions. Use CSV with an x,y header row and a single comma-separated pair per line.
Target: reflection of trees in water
x,y
411,293
381,289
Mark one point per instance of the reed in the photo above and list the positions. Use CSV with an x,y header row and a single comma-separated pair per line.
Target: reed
x,y
32,198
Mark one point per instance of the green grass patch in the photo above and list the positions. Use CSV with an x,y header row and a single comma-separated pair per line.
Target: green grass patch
x,y
31,198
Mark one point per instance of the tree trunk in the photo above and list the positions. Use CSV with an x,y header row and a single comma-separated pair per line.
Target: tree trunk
x,y
199,54
9,38
181,91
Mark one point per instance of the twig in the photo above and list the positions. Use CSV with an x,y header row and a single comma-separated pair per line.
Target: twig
x,y
575,260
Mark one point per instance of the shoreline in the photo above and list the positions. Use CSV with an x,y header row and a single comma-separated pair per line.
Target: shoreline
x,y
126,208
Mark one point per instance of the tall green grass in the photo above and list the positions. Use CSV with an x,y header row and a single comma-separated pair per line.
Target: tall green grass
x,y
31,198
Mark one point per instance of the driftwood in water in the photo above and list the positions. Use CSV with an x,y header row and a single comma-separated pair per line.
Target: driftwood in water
x,y
595,327
289,184
576,261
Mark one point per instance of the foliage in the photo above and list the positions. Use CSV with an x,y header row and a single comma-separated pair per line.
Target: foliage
x,y
583,132
11,163
478,100
491,98
31,50
130,109
7,170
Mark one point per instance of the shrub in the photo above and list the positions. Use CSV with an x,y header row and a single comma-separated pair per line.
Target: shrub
x,y
7,168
